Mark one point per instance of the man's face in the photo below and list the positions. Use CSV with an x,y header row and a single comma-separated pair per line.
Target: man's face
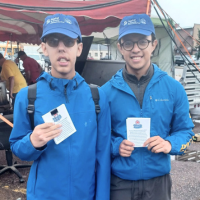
x,y
137,59
62,52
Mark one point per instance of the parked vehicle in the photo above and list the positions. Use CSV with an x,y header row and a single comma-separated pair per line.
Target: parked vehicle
x,y
105,58
180,61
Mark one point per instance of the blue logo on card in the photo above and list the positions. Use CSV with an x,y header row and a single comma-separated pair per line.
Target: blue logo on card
x,y
56,117
137,124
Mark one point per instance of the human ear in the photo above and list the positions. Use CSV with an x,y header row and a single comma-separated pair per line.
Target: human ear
x,y
119,48
79,49
44,49
155,42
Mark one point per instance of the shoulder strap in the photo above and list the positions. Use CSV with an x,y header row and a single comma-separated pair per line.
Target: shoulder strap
x,y
31,100
95,96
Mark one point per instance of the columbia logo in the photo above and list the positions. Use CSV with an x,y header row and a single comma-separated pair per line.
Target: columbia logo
x,y
161,99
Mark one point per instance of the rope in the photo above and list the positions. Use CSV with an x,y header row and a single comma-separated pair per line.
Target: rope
x,y
5,120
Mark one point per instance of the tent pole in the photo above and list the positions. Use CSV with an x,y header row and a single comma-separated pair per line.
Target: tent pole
x,y
148,6
11,45
108,52
6,49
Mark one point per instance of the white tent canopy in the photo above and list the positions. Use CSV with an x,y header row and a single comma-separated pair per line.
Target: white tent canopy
x,y
163,55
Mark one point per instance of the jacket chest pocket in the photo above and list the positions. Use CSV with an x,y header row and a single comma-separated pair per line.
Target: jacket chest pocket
x,y
161,111
161,103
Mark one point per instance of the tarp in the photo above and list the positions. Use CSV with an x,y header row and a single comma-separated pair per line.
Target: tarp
x,y
22,20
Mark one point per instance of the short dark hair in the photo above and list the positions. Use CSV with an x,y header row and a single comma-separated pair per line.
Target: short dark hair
x,y
1,56
153,36
20,53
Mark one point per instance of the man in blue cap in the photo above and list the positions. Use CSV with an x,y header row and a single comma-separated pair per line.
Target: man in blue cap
x,y
78,168
142,94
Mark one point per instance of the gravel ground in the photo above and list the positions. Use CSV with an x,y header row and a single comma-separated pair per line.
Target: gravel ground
x,y
185,178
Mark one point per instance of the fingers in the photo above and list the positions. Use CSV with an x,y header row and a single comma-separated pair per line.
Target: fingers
x,y
153,144
126,147
124,153
53,133
128,143
44,133
151,139
51,128
157,149
158,145
45,125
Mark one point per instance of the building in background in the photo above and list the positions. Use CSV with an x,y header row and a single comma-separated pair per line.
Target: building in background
x,y
189,43
98,52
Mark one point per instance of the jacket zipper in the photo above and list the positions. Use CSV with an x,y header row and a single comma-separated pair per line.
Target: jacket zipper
x,y
65,93
70,185
141,115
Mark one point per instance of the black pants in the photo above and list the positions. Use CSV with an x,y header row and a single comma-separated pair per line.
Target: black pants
x,y
13,100
158,188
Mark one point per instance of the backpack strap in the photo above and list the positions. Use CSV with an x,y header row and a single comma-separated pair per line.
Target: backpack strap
x,y
31,100
95,96
32,97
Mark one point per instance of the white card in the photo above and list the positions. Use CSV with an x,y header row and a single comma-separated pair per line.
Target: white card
x,y
60,115
138,130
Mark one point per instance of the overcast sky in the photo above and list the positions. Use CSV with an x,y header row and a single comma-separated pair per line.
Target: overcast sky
x,y
185,12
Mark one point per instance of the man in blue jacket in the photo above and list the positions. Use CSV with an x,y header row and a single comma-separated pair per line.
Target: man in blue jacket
x,y
142,90
78,168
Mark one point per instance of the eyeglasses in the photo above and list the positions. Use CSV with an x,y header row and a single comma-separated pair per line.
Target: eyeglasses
x,y
142,44
53,40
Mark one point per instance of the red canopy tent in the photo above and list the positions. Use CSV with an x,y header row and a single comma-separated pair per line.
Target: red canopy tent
x,y
22,20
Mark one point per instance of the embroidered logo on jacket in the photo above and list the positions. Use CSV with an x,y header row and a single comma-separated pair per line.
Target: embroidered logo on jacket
x,y
161,99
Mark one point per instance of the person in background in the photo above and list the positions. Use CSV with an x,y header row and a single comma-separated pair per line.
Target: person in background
x,y
31,67
142,90
13,77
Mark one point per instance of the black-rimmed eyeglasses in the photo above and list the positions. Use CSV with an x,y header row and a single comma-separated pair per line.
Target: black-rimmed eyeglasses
x,y
53,40
142,44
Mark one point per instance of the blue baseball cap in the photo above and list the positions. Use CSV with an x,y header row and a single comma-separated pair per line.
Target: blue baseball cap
x,y
63,24
138,23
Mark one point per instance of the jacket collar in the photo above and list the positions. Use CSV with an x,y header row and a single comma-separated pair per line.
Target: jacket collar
x,y
58,82
119,82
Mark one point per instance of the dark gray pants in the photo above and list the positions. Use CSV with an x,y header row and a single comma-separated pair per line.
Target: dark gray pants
x,y
158,188
13,100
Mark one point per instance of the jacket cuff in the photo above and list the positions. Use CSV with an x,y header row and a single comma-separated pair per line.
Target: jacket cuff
x,y
115,147
174,147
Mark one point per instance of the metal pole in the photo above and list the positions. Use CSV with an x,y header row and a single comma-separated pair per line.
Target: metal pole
x,y
11,44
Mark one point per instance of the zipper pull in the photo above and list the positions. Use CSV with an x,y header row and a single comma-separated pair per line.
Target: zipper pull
x,y
151,100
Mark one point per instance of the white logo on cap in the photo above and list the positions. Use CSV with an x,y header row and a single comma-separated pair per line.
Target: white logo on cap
x,y
57,20
48,21
68,21
137,21
125,23
143,21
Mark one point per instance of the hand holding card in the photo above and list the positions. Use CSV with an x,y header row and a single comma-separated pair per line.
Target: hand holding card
x,y
61,116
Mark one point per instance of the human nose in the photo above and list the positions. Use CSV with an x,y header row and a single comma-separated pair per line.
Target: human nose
x,y
61,45
135,47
